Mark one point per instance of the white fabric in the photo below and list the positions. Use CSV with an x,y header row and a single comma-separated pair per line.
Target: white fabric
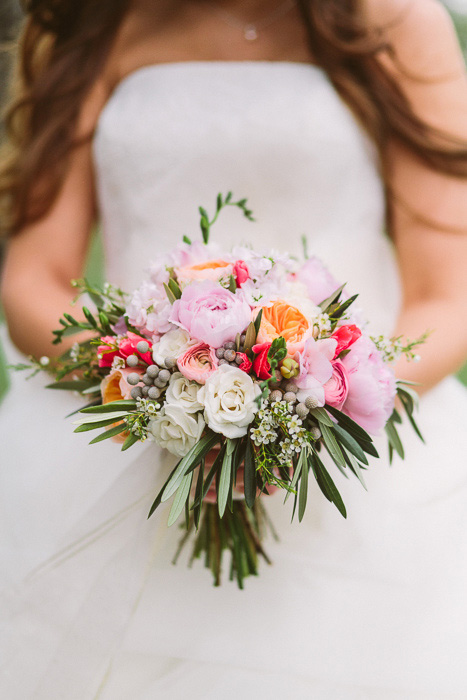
x,y
371,607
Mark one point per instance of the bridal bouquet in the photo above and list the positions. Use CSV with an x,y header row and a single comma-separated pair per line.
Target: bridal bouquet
x,y
250,367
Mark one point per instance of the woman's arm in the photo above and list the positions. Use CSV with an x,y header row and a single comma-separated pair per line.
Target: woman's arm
x,y
43,258
430,205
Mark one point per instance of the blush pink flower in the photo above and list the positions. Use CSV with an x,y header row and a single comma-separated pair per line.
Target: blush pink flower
x,y
337,388
317,279
315,368
210,313
198,362
372,386
240,272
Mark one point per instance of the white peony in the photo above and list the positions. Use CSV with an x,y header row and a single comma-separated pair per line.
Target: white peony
x,y
172,344
176,430
183,392
229,401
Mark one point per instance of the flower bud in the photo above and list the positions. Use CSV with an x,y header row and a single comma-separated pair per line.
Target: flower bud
x,y
289,368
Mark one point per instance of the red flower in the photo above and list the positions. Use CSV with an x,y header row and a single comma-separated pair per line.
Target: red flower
x,y
261,366
246,364
125,348
241,273
104,352
345,336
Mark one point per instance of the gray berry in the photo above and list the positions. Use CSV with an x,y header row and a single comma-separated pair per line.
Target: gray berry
x,y
311,402
230,355
315,433
160,383
290,397
275,396
152,371
290,386
145,391
170,362
220,353
164,375
223,362
154,392
230,345
147,380
242,339
142,346
136,392
133,378
132,361
239,359
301,410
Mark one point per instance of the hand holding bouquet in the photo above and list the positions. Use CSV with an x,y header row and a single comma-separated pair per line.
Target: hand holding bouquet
x,y
248,353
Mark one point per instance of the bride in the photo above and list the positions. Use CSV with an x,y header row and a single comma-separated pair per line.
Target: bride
x,y
339,119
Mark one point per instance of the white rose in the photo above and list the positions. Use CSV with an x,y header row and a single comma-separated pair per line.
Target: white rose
x,y
229,401
172,344
183,392
176,430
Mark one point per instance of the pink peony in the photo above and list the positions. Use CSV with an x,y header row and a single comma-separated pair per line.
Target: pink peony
x,y
317,279
240,272
372,386
198,362
210,313
337,388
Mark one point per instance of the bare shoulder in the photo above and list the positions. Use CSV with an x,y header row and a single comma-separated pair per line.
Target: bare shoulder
x,y
421,33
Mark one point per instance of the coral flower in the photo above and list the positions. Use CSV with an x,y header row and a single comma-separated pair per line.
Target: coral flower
x,y
212,270
283,319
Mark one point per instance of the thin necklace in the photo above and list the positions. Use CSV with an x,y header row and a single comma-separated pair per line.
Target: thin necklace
x,y
251,30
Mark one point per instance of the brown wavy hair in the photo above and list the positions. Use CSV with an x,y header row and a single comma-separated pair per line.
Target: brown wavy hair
x,y
64,45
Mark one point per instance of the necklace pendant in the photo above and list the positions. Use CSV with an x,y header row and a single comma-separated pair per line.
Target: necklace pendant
x,y
250,32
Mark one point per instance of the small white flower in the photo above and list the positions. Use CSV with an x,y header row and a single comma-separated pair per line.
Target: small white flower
x,y
175,430
229,401
183,392
44,361
172,344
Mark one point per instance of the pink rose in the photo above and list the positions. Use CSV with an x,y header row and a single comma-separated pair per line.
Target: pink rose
x,y
240,272
261,366
107,351
336,389
198,362
372,386
210,313
209,270
345,336
317,279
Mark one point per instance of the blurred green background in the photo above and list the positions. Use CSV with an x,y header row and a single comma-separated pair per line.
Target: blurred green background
x,y
9,17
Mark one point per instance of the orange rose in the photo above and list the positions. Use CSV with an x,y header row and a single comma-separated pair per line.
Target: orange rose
x,y
210,270
115,388
283,319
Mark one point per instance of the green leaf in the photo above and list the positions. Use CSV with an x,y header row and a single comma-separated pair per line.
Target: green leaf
x,y
225,478
305,247
250,475
174,288
74,385
194,456
112,416
326,484
394,439
232,284
326,303
85,427
321,416
186,240
355,467
297,471
368,447
181,496
257,323
348,424
170,295
250,337
342,308
350,443
111,406
332,445
198,494
158,499
303,495
129,442
110,433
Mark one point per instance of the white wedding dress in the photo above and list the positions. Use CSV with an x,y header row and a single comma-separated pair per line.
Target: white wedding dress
x,y
370,608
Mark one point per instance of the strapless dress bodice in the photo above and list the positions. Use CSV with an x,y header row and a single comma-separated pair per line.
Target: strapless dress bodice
x,y
172,136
